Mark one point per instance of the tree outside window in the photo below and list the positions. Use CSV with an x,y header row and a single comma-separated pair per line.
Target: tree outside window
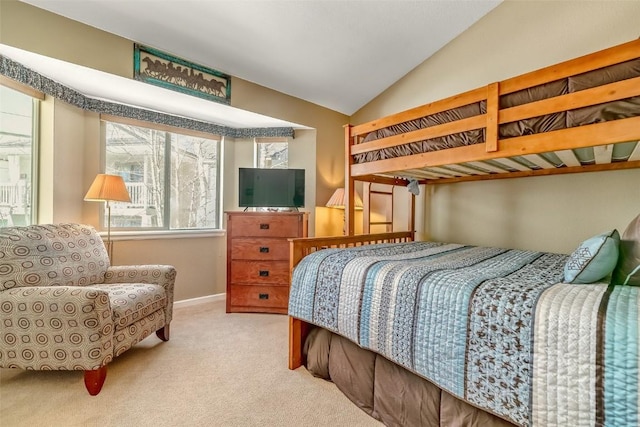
x,y
172,178
272,155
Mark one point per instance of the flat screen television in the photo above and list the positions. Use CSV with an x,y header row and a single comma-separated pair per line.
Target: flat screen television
x,y
271,188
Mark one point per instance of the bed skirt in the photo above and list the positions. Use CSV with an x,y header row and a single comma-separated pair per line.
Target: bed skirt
x,y
386,391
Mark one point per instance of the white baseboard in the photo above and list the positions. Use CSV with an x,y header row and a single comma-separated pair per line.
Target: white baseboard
x,y
199,300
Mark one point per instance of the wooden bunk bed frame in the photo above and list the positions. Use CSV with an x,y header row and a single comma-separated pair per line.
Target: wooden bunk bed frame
x,y
425,166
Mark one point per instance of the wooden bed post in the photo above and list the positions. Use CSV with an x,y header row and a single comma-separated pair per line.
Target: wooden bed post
x,y
298,330
349,184
366,207
493,104
412,216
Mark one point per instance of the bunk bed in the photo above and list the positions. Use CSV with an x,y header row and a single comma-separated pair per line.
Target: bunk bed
x,y
577,116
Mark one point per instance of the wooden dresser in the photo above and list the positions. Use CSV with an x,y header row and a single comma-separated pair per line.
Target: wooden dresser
x,y
258,259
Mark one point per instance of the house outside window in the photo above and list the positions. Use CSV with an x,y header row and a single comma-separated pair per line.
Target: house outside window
x,y
271,154
18,154
172,178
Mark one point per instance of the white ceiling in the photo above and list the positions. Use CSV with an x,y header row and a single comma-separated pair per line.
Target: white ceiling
x,y
337,54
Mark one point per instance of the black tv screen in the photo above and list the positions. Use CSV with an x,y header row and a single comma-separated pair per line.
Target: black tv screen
x,y
271,188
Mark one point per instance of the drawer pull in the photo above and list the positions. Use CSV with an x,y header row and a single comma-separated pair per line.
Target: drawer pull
x,y
264,226
263,296
264,249
264,273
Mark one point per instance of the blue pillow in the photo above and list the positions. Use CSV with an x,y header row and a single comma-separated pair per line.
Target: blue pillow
x,y
594,259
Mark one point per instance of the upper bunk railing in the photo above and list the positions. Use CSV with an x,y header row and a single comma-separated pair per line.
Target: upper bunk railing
x,y
589,135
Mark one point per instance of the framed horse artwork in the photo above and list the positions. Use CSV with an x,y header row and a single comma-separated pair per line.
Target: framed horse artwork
x,y
170,72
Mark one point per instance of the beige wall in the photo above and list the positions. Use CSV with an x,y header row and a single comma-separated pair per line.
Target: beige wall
x,y
36,30
45,164
549,213
329,151
62,143
70,157
68,143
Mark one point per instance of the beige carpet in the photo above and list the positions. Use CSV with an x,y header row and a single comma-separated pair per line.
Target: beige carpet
x,y
217,370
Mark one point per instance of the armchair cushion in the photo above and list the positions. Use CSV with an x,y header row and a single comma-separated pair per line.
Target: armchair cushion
x,y
162,275
131,302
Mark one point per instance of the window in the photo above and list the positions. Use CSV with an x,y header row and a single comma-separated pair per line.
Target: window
x,y
172,177
18,153
272,154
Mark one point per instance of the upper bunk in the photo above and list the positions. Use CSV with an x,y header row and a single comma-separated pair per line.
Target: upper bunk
x,y
577,116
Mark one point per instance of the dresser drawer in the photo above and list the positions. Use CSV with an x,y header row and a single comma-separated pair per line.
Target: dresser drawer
x,y
259,296
264,226
260,272
260,249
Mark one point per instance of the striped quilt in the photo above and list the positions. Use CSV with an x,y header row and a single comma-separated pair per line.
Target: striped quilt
x,y
494,327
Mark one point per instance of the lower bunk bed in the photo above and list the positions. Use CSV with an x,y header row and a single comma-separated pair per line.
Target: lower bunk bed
x,y
428,333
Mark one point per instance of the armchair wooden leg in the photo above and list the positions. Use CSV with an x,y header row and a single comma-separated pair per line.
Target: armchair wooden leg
x,y
94,380
163,333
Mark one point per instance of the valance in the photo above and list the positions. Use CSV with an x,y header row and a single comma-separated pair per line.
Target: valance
x,y
16,71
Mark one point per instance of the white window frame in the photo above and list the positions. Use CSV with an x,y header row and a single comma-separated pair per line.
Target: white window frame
x,y
36,97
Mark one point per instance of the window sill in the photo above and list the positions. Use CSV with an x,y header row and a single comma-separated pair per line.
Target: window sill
x,y
161,234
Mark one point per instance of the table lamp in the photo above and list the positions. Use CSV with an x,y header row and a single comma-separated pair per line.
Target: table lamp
x,y
337,201
108,188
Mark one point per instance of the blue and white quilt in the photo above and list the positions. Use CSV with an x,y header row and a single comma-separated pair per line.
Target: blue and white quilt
x,y
495,327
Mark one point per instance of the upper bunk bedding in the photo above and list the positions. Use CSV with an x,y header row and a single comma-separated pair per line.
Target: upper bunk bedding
x,y
591,90
492,326
620,109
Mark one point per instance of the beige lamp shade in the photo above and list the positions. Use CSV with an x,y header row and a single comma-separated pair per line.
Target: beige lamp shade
x,y
337,200
108,188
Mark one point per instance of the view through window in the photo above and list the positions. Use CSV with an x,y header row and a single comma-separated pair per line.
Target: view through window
x,y
272,155
18,144
172,178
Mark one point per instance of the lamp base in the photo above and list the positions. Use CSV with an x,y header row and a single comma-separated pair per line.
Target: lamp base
x,y
109,245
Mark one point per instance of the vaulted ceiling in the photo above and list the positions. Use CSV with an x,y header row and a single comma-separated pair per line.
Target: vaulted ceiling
x,y
337,54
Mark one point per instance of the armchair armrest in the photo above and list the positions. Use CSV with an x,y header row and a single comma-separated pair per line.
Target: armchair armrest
x,y
163,275
55,327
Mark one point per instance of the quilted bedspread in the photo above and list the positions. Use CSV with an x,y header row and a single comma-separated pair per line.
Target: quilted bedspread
x,y
494,327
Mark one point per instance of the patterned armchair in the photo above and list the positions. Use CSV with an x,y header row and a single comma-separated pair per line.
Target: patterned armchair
x,y
62,306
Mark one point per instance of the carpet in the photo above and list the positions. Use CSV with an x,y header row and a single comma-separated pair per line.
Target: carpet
x,y
217,369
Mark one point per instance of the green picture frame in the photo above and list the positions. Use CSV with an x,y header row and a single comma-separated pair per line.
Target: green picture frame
x,y
170,72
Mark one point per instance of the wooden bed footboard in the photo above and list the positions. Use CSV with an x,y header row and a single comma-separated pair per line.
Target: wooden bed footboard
x,y
299,248
298,331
